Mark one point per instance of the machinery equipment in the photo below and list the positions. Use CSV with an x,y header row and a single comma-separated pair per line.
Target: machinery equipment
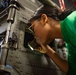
x,y
16,58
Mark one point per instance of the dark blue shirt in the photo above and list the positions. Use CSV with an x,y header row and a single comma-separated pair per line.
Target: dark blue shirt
x,y
4,3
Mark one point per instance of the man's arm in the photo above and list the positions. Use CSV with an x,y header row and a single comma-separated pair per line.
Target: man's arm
x,y
61,63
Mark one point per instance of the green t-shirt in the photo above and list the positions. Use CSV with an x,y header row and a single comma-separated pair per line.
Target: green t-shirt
x,y
68,27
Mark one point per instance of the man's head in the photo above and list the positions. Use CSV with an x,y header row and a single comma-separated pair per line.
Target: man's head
x,y
45,23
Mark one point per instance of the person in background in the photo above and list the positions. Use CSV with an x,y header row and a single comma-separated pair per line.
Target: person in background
x,y
4,4
48,23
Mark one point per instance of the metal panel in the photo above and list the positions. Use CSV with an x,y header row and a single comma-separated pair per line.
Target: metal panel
x,y
32,64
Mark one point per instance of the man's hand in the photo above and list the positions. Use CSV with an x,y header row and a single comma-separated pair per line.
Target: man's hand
x,y
41,49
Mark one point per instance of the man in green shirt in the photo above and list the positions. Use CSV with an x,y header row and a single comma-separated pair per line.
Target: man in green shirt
x,y
49,23
68,27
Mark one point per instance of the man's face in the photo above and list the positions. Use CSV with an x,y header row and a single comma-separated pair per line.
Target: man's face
x,y
41,32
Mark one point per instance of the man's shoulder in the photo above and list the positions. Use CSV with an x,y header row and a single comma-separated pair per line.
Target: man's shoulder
x,y
72,15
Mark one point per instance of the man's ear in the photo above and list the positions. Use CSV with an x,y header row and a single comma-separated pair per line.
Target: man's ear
x,y
44,18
